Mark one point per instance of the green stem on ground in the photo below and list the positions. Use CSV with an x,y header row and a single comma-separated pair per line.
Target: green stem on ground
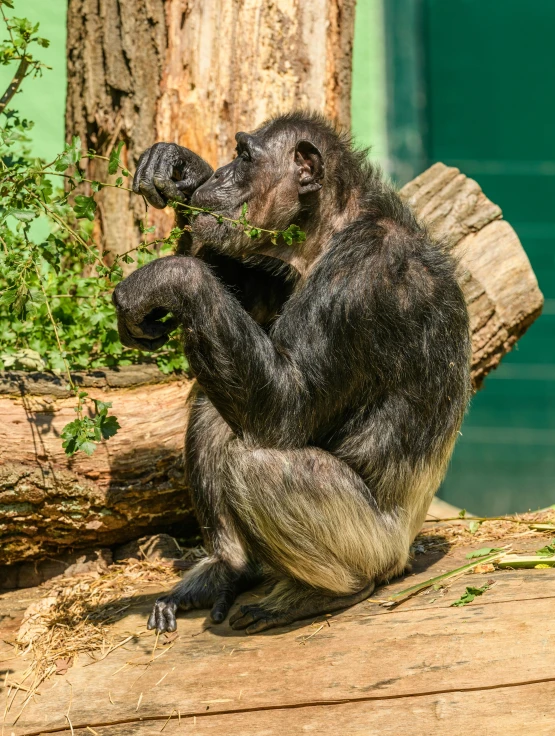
x,y
397,598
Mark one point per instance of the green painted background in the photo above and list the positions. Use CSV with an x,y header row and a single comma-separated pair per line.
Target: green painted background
x,y
491,112
43,100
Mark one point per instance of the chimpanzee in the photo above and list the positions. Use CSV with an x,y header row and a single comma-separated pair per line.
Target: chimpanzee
x,y
332,374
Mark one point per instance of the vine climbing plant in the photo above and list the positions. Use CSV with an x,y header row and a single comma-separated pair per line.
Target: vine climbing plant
x,y
55,281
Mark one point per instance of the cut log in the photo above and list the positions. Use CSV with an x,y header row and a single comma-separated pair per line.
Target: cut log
x,y
134,484
499,285
130,485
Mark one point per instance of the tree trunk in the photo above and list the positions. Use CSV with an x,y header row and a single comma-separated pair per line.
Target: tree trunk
x,y
133,484
195,72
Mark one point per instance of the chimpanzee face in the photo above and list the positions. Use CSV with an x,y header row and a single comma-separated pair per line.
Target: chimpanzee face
x,y
271,175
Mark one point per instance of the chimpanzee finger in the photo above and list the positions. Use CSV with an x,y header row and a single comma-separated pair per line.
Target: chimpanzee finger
x,y
151,194
138,343
141,167
153,329
168,188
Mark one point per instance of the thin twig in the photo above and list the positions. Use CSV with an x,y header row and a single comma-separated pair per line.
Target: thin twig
x,y
303,641
14,84
55,328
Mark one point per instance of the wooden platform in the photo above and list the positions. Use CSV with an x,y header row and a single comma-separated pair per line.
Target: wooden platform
x,y
422,668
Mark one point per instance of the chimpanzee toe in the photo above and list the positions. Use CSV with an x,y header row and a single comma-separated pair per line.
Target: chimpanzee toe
x,y
254,618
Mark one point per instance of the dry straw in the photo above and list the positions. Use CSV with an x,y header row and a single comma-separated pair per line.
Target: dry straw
x,y
74,617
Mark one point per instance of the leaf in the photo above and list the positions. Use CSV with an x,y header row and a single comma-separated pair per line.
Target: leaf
x,y
548,550
87,447
113,162
102,406
8,296
542,566
84,206
462,513
470,594
474,526
52,251
70,156
482,552
109,427
293,234
22,215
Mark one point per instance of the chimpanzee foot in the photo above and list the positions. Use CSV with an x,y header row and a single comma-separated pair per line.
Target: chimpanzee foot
x,y
162,617
290,602
212,583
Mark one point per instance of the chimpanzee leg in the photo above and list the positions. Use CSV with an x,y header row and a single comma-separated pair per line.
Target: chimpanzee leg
x,y
218,579
313,521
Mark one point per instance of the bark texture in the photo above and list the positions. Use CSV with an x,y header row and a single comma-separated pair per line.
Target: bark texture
x,y
133,484
195,72
116,55
498,282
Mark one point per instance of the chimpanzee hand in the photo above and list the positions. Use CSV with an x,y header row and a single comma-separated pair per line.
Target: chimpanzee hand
x,y
145,297
167,172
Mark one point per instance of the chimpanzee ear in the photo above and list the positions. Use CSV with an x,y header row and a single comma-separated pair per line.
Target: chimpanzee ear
x,y
311,167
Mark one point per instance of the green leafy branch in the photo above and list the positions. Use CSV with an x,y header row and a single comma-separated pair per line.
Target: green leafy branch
x,y
84,431
292,234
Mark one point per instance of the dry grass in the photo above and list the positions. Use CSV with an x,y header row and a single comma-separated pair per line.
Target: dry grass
x,y
74,616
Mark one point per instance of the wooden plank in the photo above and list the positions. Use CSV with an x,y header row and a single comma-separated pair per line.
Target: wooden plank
x,y
399,654
512,711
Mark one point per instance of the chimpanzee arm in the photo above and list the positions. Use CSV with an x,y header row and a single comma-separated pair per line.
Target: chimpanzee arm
x,y
257,388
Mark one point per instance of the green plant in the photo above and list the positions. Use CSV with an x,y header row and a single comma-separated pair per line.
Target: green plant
x,y
44,277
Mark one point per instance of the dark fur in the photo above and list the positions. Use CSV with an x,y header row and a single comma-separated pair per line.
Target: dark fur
x,y
330,393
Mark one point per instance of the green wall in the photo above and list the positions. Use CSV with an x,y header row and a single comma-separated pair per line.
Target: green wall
x,y
369,113
43,99
491,113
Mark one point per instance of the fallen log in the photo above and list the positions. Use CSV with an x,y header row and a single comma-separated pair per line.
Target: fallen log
x,y
500,287
133,484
